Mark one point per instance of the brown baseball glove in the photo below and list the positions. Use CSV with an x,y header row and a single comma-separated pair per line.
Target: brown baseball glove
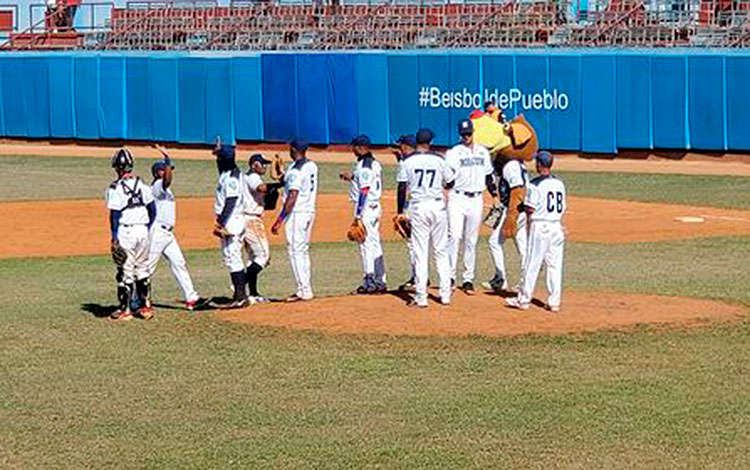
x,y
357,231
220,231
277,168
402,225
492,219
118,254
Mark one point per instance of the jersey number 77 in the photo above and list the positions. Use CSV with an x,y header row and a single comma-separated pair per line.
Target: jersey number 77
x,y
420,174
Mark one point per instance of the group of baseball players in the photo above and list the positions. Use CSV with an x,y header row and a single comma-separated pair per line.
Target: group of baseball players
x,y
142,220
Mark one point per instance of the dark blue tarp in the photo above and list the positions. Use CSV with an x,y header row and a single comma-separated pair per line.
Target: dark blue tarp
x,y
37,97
598,134
465,76
219,101
738,103
565,118
191,97
634,102
248,92
403,95
86,92
15,104
434,76
60,83
279,97
668,102
312,98
706,103
342,98
531,80
138,102
163,87
112,93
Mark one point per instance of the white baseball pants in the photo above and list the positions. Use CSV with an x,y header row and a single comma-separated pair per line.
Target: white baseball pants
x,y
429,222
163,242
298,229
371,251
497,240
546,245
464,220
135,240
231,253
256,242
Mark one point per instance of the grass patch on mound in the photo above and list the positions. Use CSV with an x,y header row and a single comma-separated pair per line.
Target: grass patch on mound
x,y
195,392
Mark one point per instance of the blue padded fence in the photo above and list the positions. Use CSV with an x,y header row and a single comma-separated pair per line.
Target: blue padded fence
x,y
591,101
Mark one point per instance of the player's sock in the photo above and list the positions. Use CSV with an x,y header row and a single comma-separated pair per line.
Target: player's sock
x,y
252,278
239,283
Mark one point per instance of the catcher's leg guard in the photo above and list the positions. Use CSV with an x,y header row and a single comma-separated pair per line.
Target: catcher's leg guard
x,y
239,283
251,274
122,291
133,301
143,291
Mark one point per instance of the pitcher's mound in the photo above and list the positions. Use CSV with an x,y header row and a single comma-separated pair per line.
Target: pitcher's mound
x,y
483,314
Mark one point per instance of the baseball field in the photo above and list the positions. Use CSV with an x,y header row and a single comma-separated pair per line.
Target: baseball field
x,y
646,366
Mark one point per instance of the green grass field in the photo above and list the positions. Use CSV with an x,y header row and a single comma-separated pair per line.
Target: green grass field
x,y
184,391
39,178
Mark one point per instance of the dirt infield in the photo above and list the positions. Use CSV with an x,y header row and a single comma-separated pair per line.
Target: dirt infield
x,y
484,315
687,164
64,228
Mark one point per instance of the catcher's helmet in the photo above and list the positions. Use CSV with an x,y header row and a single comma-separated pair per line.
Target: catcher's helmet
x,y
122,160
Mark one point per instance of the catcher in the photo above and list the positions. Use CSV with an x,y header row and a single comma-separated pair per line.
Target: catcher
x,y
365,191
258,196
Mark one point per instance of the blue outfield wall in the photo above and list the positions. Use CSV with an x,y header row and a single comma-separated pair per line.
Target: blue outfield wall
x,y
591,101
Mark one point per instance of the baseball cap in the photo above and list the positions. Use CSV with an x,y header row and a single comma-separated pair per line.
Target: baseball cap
x,y
424,136
407,139
258,157
299,144
362,140
544,158
465,127
225,152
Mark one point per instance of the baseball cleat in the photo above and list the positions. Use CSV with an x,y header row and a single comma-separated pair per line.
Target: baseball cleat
x,y
445,302
553,308
361,290
121,315
407,286
513,302
297,298
146,313
259,299
414,304
468,288
193,304
236,303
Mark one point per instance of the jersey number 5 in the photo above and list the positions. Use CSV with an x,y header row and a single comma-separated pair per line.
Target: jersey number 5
x,y
420,174
555,202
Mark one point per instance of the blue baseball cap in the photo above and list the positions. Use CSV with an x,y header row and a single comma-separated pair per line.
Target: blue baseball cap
x,y
424,136
407,139
544,158
159,165
299,144
465,127
258,157
362,140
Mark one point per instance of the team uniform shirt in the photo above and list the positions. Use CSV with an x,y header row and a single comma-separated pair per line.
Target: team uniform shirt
x,y
514,175
130,196
471,165
425,174
230,185
253,198
367,174
303,177
546,196
165,205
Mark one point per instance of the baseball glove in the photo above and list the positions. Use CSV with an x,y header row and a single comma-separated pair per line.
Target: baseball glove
x,y
271,197
402,225
119,256
493,217
277,168
220,231
357,231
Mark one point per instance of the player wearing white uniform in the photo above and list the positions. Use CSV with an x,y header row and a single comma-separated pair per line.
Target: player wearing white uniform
x,y
300,191
131,213
512,224
366,187
163,241
255,240
407,145
545,205
473,167
230,222
424,174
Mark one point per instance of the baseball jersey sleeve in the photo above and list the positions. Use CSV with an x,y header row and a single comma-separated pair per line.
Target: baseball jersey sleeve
x,y
157,189
253,180
488,169
403,175
449,173
512,174
115,201
148,196
294,178
532,197
366,177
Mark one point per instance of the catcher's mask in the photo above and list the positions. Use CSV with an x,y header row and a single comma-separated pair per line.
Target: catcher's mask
x,y
122,161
